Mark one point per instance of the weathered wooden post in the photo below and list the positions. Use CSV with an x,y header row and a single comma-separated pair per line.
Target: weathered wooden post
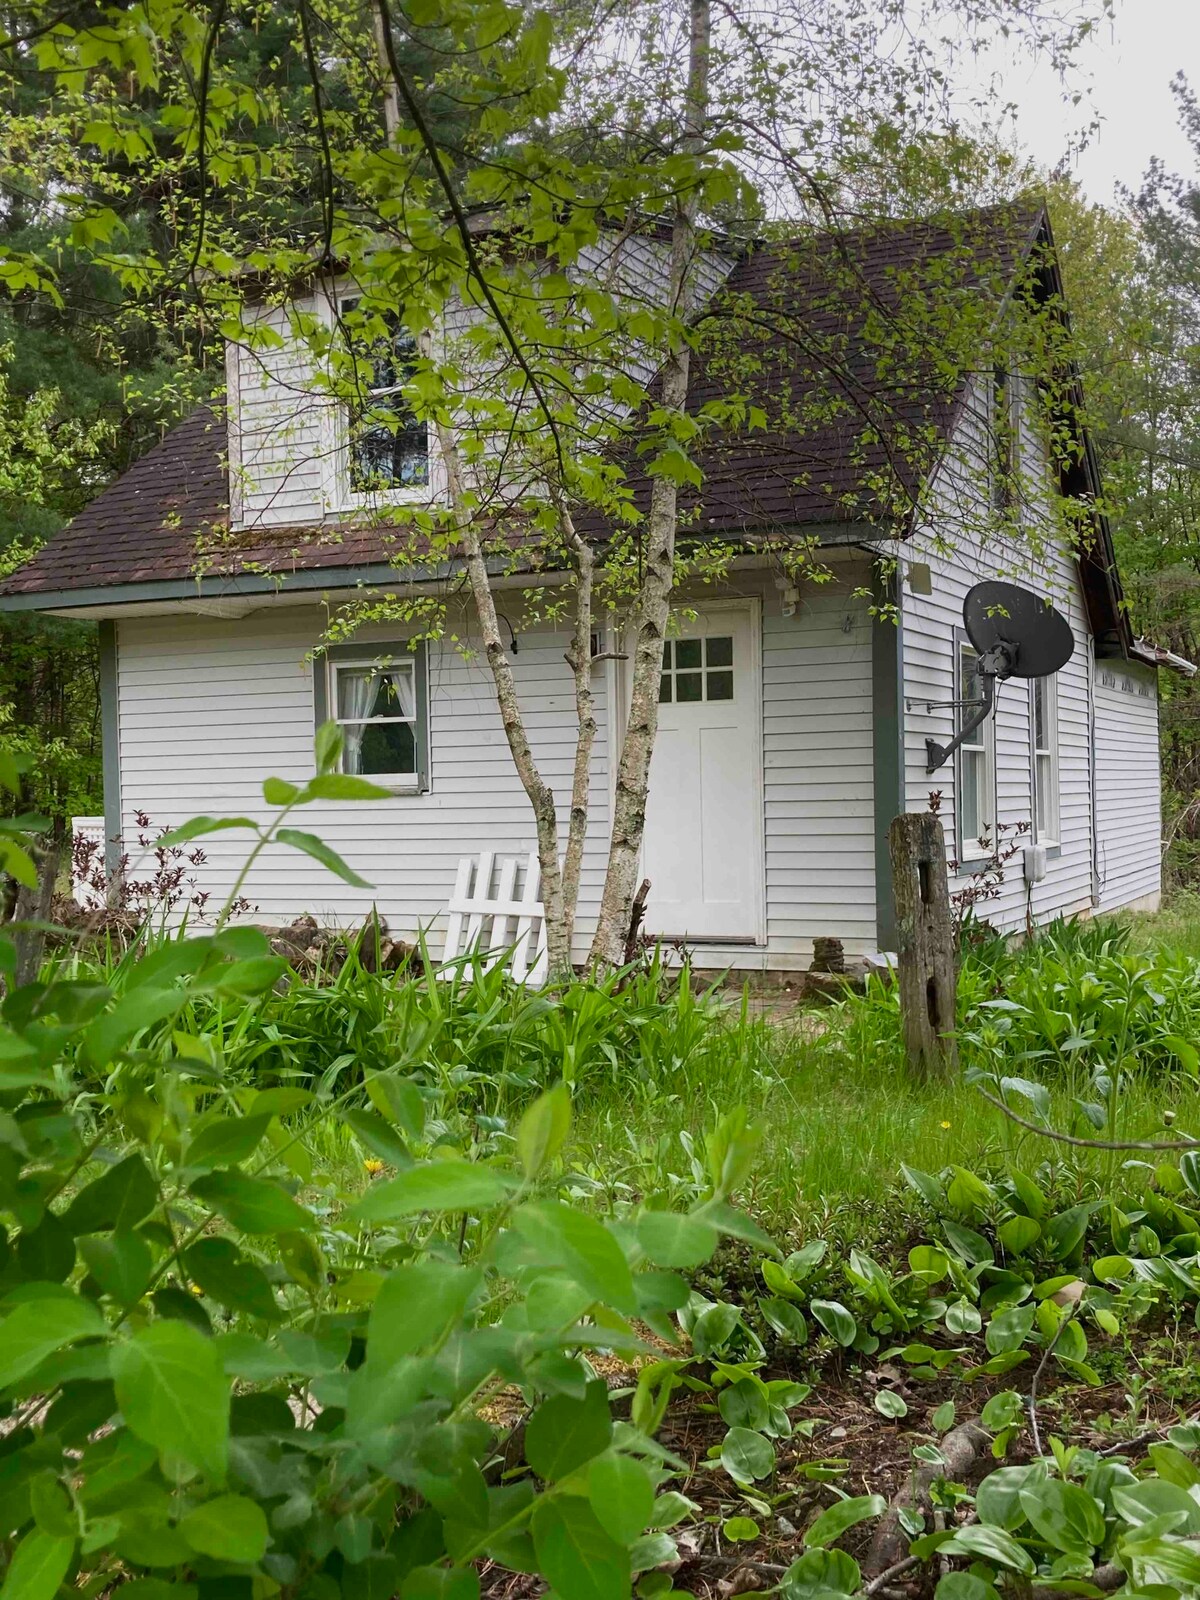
x,y
928,971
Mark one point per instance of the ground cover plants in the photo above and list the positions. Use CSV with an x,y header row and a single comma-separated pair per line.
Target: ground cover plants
x,y
396,1285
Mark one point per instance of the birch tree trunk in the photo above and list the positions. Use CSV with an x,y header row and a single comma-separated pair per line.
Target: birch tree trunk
x,y
654,599
579,659
541,795
559,888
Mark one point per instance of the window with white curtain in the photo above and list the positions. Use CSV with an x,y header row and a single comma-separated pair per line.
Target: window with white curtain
x,y
376,703
1043,755
976,769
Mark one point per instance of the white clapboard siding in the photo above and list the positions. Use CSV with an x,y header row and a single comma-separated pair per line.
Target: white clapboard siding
x,y
929,647
208,709
819,791
1128,801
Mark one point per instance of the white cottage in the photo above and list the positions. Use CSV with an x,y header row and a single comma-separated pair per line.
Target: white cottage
x,y
793,719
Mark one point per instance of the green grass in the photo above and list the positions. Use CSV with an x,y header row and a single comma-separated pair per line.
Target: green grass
x,y
838,1121
654,1064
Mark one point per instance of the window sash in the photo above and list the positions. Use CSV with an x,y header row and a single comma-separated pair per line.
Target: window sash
x,y
341,661
388,445
975,769
1043,763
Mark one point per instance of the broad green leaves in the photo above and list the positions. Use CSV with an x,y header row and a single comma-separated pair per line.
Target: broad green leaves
x,y
228,1528
436,1186
564,1433
174,1394
37,1328
843,1516
39,1564
575,1553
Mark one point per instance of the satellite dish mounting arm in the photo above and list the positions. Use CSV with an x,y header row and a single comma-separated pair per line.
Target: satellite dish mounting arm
x,y
993,667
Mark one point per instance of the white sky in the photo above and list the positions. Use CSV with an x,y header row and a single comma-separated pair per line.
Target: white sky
x,y
1127,66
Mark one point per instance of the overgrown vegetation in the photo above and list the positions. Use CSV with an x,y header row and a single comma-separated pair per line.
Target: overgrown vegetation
x,y
426,1286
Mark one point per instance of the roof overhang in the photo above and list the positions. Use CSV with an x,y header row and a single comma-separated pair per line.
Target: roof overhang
x,y
237,595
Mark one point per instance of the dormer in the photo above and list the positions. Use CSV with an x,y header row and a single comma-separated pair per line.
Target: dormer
x,y
300,457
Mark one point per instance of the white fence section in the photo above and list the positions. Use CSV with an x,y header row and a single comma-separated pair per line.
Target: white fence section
x,y
91,829
488,923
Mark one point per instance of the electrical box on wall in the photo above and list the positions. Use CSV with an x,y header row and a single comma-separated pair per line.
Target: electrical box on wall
x,y
1035,863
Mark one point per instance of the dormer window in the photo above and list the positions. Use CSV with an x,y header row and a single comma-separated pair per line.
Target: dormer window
x,y
388,445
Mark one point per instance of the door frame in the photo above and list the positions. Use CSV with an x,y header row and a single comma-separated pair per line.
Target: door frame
x,y
751,605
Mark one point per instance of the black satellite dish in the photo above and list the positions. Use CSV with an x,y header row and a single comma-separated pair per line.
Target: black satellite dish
x,y
1015,634
1023,634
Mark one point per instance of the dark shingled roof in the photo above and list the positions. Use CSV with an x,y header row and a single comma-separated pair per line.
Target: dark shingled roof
x,y
167,517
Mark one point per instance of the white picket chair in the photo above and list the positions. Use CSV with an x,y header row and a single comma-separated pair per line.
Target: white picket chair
x,y
488,923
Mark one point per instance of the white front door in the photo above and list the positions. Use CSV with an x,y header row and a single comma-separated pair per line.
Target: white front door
x,y
703,841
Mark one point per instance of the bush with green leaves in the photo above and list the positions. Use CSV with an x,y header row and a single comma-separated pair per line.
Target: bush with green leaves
x,y
220,1375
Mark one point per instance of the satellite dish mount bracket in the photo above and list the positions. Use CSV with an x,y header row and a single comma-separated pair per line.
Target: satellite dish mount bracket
x,y
993,667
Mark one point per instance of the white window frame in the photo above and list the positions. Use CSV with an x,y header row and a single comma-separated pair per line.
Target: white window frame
x,y
982,742
1047,827
341,492
376,659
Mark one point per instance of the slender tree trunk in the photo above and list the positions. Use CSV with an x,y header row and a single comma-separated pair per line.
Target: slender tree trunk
x,y
541,795
654,600
559,890
579,659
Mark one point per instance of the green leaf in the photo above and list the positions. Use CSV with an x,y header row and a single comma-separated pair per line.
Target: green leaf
x,y
564,1432
117,1200
37,1328
328,746
379,1137
342,786
821,1575
320,851
998,1498
1018,1234
121,1264
279,792
140,1008
252,1205
747,1455
1065,1515
435,1186
417,1306
543,1130
835,1319
199,826
441,1583
575,1554
229,1528
673,1239
786,1319
38,1566
227,1140
943,1417
964,1586
621,1493
740,1530
991,1544
839,1518
963,1317
745,1404
890,1404
226,1276
1008,1330
585,1248
173,1393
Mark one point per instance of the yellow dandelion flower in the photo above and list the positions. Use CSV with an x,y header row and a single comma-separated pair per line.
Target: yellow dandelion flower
x,y
373,1166
945,1124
